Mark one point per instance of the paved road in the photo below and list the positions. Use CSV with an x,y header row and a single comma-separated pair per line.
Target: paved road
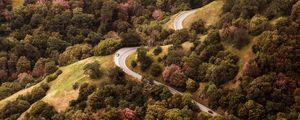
x,y
122,54
178,21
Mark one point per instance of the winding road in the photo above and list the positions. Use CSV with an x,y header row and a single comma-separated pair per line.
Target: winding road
x,y
122,54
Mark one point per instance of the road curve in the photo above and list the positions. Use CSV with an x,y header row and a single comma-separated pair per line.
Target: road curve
x,y
178,21
120,60
122,54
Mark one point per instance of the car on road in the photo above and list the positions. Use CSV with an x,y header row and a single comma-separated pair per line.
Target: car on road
x,y
210,112
118,54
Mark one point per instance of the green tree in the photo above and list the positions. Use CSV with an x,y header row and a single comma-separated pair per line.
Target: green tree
x,y
41,110
191,85
155,70
93,70
23,65
106,47
258,24
173,114
199,26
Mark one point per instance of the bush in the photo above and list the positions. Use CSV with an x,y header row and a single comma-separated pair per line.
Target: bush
x,y
159,59
9,88
106,47
93,70
133,63
75,85
13,109
155,70
199,26
36,94
157,50
51,77
41,110
50,67
191,85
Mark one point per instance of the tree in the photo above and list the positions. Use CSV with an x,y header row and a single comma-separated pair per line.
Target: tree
x,y
130,39
251,69
173,114
239,37
191,85
223,73
157,50
255,111
23,65
258,24
93,70
117,75
142,57
178,79
155,111
39,68
106,47
9,88
295,12
180,36
14,108
190,65
75,53
175,57
127,113
155,70
41,110
25,78
169,70
50,67
199,26
260,88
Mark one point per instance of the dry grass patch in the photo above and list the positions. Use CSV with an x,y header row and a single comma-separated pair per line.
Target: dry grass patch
x,y
209,13
17,3
61,90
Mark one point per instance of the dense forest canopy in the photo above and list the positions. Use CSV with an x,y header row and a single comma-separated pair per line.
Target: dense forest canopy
x,y
43,35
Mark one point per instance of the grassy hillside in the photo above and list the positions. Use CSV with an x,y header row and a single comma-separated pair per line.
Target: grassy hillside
x,y
209,13
61,90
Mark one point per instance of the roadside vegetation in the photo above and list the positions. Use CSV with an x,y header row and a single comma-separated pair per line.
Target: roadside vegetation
x,y
241,60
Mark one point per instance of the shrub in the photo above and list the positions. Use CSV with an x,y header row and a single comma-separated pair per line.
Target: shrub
x,y
199,26
106,47
13,109
8,88
41,110
157,50
133,63
36,94
93,70
159,59
191,85
50,67
58,72
75,85
155,70
51,77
